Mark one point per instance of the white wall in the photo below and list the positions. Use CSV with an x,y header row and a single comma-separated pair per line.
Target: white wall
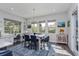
x,y
78,28
57,17
4,14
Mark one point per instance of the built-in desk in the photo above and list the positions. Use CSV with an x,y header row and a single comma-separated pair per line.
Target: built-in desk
x,y
5,42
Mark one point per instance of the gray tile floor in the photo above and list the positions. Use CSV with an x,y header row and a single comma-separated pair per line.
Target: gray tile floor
x,y
49,50
61,50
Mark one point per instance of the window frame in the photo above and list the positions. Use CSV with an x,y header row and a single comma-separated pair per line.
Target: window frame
x,y
40,26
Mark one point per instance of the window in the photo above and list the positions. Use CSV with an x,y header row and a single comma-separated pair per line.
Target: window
x,y
34,28
11,26
42,27
52,27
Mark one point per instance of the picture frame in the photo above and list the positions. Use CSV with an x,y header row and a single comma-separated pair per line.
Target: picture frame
x,y
61,24
68,23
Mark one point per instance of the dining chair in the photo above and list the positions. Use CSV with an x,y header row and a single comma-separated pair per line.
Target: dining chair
x,y
27,40
45,41
17,38
34,33
34,42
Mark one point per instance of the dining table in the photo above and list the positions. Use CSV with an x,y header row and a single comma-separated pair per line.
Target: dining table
x,y
40,37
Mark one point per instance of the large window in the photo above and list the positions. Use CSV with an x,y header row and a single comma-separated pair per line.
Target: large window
x,y
42,27
11,26
52,27
34,28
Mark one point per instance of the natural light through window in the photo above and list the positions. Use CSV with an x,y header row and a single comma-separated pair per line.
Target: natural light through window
x,y
42,27
11,26
52,27
34,28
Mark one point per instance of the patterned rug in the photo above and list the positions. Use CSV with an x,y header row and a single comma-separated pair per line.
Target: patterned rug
x,y
19,50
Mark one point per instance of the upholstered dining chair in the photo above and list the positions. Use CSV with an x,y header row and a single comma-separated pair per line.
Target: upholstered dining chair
x,y
27,40
44,41
34,42
17,38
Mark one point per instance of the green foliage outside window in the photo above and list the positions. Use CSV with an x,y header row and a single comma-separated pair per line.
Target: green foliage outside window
x,y
42,27
34,28
52,27
11,26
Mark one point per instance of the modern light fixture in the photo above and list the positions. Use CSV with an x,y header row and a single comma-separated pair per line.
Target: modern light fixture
x,y
33,10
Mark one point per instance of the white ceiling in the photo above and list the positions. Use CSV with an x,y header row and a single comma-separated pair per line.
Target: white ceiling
x,y
26,9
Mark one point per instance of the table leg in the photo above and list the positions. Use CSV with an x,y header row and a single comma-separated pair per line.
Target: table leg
x,y
39,44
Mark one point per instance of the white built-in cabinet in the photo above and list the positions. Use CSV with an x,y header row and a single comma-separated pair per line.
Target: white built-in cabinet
x,y
62,38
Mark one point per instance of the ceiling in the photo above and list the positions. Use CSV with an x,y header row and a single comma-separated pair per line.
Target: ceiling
x,y
26,9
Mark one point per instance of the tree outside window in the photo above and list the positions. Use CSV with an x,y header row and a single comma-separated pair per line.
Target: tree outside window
x,y
42,27
52,27
11,26
34,28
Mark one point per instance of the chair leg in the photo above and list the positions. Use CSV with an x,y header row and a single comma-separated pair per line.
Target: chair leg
x,y
24,44
44,45
31,45
28,44
35,46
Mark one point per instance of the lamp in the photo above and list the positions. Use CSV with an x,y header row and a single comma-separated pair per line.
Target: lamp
x,y
61,30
